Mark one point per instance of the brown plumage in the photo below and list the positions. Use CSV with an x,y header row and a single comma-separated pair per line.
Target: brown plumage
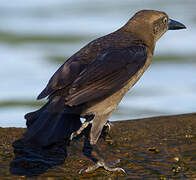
x,y
92,82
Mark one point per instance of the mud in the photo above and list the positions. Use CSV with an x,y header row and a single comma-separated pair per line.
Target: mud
x,y
152,148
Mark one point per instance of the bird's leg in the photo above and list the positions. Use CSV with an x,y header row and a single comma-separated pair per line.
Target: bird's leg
x,y
78,132
83,126
99,162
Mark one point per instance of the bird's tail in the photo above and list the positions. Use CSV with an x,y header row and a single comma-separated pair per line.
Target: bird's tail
x,y
50,124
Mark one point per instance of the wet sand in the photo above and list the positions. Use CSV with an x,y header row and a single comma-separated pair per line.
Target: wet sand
x,y
151,148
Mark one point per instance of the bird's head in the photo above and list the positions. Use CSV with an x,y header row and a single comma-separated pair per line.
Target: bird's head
x,y
150,25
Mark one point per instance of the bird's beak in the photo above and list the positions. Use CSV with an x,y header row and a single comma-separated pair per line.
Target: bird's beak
x,y
175,25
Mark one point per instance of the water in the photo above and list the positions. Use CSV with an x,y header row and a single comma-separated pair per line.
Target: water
x,y
33,33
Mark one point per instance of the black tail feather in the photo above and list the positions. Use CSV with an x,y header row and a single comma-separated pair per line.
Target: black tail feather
x,y
33,116
44,143
50,124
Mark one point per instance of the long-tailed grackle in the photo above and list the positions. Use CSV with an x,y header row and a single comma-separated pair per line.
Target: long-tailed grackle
x,y
92,82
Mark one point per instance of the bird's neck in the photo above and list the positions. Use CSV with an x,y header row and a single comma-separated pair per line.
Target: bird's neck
x,y
143,34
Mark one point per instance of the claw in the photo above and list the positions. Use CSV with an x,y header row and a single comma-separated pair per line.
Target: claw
x,y
113,163
115,169
89,169
104,165
109,125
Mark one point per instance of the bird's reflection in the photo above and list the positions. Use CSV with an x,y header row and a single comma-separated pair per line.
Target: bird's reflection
x,y
32,161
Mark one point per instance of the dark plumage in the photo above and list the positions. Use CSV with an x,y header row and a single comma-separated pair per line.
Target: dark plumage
x,y
92,82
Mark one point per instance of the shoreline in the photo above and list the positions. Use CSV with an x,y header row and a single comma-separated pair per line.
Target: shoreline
x,y
159,148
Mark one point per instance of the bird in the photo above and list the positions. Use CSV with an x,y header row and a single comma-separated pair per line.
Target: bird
x,y
92,82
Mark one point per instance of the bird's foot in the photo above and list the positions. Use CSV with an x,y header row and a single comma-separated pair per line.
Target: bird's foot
x,y
106,166
105,132
109,125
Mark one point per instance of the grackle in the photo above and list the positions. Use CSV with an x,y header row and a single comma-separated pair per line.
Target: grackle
x,y
92,82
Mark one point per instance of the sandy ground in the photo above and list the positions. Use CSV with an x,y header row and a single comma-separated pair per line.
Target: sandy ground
x,y
152,148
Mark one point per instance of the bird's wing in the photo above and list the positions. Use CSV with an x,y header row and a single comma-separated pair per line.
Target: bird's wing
x,y
108,73
63,77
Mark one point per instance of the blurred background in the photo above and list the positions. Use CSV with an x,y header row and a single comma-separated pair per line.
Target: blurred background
x,y
36,37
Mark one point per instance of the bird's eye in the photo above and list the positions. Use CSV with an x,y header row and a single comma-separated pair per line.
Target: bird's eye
x,y
165,20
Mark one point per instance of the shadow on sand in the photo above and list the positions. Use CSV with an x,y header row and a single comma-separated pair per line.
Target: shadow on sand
x,y
32,161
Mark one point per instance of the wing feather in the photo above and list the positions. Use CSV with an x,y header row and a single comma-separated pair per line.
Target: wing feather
x,y
108,73
62,78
